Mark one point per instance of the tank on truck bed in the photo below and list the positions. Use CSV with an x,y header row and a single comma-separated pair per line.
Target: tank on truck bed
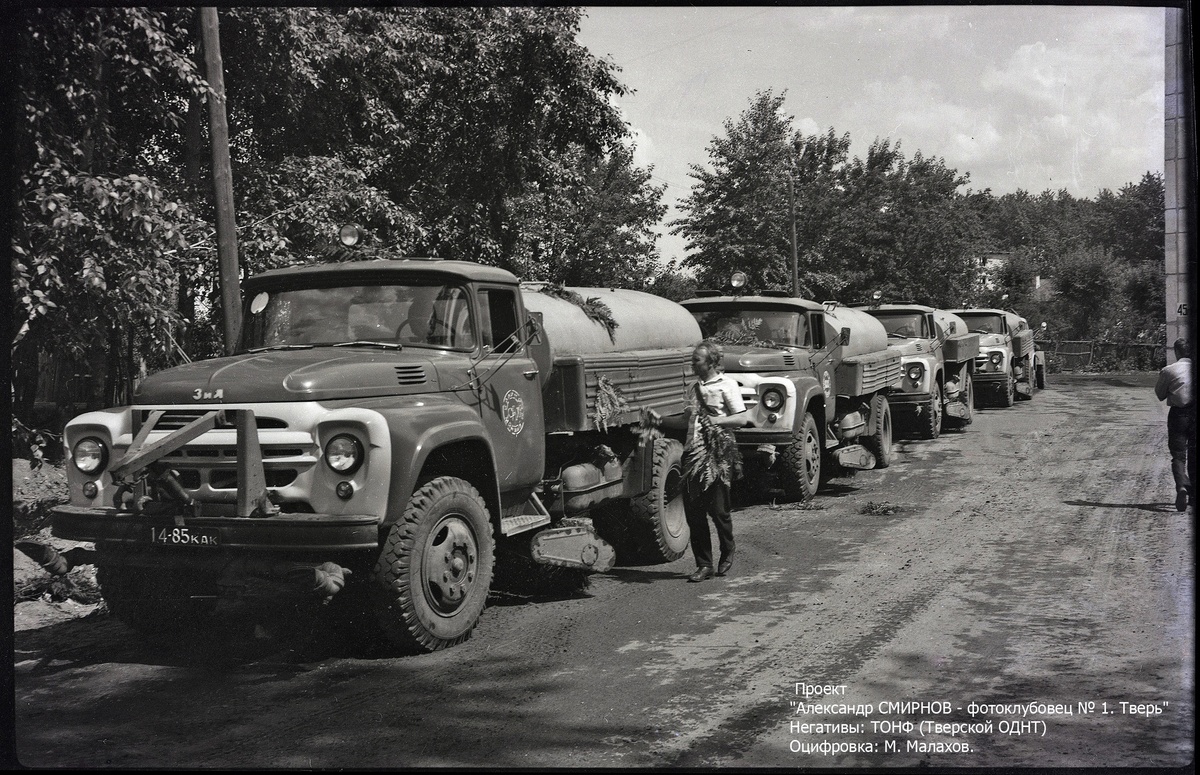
x,y
390,427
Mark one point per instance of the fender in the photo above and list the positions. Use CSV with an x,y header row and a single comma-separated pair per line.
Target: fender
x,y
418,427
808,390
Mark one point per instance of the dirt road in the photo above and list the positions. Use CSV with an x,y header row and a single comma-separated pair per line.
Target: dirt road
x,y
1020,594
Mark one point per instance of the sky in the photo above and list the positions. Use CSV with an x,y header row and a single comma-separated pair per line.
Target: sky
x,y
1030,97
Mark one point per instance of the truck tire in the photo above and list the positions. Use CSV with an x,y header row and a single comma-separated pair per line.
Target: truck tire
x,y
801,461
431,581
931,419
880,440
158,603
658,520
966,394
1041,378
1009,396
1029,377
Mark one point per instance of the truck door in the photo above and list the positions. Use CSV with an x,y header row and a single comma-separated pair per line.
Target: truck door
x,y
509,393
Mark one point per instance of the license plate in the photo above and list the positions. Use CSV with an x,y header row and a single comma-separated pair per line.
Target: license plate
x,y
184,536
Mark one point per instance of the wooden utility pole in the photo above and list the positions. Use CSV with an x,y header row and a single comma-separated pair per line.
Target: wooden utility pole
x,y
218,128
792,208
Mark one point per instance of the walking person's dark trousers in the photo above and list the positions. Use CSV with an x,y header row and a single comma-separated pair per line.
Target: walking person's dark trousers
x,y
1181,440
699,506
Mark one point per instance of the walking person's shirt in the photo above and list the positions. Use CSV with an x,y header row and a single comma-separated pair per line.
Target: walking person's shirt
x,y
1175,384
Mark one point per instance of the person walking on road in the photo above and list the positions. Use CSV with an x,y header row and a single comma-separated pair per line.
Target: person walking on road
x,y
1175,387
710,457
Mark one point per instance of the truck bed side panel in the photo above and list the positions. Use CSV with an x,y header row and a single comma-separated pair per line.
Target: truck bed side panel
x,y
656,379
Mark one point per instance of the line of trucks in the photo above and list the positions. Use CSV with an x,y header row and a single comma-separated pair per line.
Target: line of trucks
x,y
388,431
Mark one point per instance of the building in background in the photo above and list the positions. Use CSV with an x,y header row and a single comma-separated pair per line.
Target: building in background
x,y
1178,178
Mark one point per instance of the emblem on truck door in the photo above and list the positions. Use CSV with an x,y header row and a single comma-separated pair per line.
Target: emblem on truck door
x,y
825,383
512,410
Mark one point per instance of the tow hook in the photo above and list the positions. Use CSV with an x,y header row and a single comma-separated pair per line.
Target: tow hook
x,y
54,562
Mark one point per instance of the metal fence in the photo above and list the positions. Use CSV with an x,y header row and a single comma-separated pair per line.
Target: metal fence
x,y
1095,355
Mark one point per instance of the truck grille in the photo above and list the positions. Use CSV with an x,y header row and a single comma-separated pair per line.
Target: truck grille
x,y
175,419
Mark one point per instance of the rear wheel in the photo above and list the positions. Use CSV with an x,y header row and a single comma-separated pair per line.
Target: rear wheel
x,y
431,581
658,519
801,461
880,440
1041,377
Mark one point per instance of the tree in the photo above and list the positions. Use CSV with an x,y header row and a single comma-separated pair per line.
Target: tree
x,y
736,217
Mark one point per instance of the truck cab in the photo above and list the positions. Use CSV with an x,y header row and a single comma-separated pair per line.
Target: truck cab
x,y
1004,367
815,378
937,359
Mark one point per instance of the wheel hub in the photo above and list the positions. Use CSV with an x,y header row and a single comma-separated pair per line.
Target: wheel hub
x,y
449,568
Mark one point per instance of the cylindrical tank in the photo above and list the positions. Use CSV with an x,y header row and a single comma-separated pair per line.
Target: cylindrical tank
x,y
867,335
644,322
952,324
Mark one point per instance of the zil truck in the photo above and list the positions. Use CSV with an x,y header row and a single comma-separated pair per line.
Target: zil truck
x,y
1004,367
816,378
937,358
386,432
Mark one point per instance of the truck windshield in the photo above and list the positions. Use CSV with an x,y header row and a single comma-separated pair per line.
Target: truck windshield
x,y
754,327
983,322
903,325
412,315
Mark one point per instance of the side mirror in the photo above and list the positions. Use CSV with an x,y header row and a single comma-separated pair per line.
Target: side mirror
x,y
844,339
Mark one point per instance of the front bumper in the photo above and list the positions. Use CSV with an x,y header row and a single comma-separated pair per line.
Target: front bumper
x,y
282,532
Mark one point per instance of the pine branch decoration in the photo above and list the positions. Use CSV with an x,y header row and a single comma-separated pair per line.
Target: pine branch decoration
x,y
610,403
595,309
713,453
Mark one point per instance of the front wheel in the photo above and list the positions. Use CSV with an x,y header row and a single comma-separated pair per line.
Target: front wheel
x,y
801,462
931,419
1010,391
431,581
966,396
880,440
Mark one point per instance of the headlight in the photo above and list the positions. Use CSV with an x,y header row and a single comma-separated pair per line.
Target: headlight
x,y
772,399
344,454
996,358
915,371
90,455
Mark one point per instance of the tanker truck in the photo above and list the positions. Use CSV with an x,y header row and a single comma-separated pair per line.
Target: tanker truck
x,y
937,358
386,432
1004,367
816,379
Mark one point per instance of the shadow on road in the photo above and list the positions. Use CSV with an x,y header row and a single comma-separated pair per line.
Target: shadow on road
x,y
1158,508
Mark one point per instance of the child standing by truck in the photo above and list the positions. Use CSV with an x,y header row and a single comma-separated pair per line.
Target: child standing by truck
x,y
710,457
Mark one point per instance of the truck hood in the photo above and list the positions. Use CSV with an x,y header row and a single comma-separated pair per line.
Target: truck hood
x,y
320,373
992,340
758,359
910,348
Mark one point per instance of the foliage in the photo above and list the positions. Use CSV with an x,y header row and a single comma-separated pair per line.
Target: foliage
x,y
881,223
610,403
713,455
595,309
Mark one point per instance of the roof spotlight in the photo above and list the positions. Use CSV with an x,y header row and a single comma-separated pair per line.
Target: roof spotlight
x,y
350,235
738,279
